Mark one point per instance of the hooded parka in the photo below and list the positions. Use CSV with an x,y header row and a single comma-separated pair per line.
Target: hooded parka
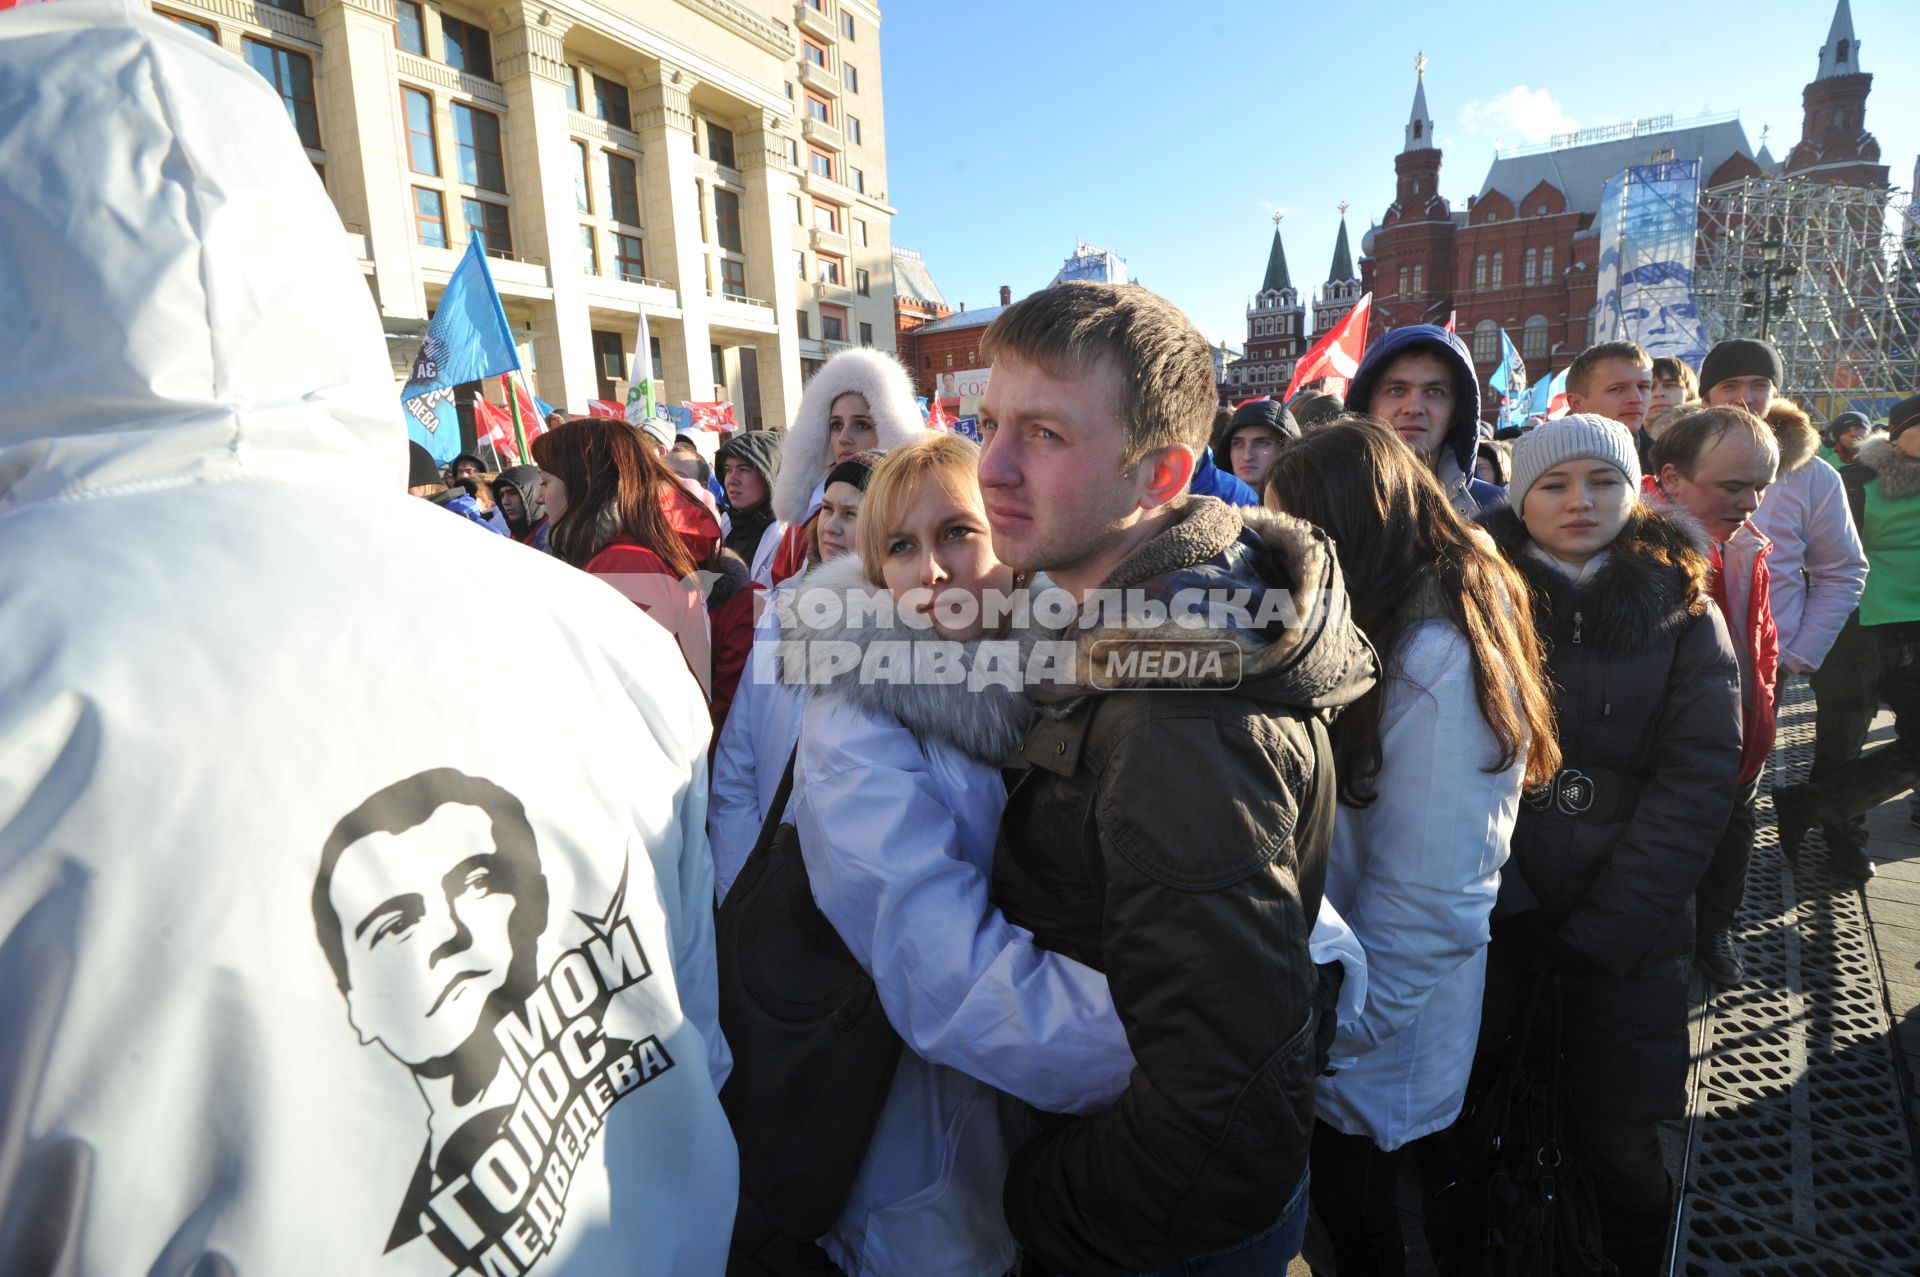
x,y
293,977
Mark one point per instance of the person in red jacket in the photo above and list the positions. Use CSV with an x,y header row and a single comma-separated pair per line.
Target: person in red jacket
x,y
616,511
1716,464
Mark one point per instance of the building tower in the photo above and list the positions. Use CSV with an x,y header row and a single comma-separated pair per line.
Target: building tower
x,y
1408,264
1834,143
1276,328
1342,289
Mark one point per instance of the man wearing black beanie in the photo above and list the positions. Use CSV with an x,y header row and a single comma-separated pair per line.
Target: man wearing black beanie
x,y
1746,372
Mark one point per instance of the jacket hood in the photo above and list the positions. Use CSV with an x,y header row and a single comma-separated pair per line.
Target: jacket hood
x,y
1463,432
1655,581
184,303
1799,441
1265,582
1899,474
804,459
985,721
724,576
758,448
526,481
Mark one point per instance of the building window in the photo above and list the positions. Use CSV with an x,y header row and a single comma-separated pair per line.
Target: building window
x,y
949,360
582,185
805,329
573,88
720,146
1530,270
815,54
826,218
623,189
467,47
610,103
822,163
1404,274
859,180
1546,264
851,77
828,269
484,217
846,33
423,156
1533,342
1419,280
429,217
1539,210
629,257
476,137
200,29
1480,270
411,34
1486,341
789,88
1499,269
1491,216
589,250
799,264
859,232
817,109
1416,181
863,283
833,323
733,277
853,130
793,152
866,334
291,75
726,220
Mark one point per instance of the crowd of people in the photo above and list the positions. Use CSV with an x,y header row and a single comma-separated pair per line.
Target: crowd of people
x,y
1191,805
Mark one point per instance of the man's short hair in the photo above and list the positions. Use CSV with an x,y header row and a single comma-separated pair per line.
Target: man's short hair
x,y
409,803
1167,391
1586,360
1673,368
1684,441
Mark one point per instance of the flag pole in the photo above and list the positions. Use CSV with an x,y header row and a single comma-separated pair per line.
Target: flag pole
x,y
519,423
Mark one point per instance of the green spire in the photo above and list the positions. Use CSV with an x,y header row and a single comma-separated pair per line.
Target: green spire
x,y
1276,265
1342,271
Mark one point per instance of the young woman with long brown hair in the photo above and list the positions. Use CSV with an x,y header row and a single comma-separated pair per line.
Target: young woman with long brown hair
x,y
607,500
1431,762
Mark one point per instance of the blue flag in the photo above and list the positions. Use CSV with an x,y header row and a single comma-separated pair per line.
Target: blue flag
x,y
468,340
1509,378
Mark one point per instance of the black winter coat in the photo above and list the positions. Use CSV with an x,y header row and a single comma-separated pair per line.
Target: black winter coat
x,y
1647,701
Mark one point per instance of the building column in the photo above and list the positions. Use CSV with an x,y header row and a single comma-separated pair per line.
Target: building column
x,y
760,146
530,59
670,203
365,140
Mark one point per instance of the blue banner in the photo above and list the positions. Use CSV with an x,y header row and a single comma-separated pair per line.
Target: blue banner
x,y
1509,379
468,340
1649,217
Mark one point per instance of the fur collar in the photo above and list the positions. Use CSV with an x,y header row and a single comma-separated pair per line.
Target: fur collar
x,y
1311,655
1654,583
986,722
884,384
1799,441
1899,474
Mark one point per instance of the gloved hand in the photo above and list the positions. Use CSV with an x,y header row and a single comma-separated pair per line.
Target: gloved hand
x,y
1538,943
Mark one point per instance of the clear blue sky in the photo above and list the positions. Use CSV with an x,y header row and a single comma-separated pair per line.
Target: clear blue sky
x,y
1170,133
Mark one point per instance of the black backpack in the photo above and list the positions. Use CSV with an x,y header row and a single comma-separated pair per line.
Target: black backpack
x,y
813,1054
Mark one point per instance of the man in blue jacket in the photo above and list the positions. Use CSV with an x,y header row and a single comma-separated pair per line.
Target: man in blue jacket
x,y
1420,381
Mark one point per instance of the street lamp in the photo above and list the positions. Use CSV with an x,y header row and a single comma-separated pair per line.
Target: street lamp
x,y
1769,272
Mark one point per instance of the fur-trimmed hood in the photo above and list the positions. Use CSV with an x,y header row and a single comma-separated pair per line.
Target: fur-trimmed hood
x,y
984,718
1264,585
1898,473
804,459
1656,580
1799,441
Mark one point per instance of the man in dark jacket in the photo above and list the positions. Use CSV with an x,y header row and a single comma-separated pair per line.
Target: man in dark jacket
x,y
517,510
748,463
1197,909
1420,381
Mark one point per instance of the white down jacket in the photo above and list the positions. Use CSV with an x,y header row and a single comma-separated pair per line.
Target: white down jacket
x,y
296,975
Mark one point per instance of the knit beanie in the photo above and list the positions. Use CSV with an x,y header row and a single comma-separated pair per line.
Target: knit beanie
x,y
1268,414
1571,438
658,429
1904,414
1741,357
857,469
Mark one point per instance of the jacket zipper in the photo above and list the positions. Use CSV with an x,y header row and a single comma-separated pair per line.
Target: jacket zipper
x,y
1577,618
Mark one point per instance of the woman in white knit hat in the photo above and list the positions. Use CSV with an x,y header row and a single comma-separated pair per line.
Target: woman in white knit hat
x,y
1605,857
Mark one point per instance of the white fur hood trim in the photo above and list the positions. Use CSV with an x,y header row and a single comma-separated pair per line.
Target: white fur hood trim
x,y
876,376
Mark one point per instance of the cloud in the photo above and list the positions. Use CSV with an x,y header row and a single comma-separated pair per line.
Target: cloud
x,y
1519,116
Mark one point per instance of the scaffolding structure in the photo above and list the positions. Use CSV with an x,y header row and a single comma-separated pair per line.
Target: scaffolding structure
x,y
1829,274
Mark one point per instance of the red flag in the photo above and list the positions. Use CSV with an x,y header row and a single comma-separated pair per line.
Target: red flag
x,y
1451,316
711,416
1336,356
937,418
494,429
1244,402
606,408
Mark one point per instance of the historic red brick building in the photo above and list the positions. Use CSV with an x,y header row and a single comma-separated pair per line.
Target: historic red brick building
x,y
1277,333
1522,254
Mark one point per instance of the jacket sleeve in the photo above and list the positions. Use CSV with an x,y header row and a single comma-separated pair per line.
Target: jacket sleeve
x,y
1435,836
734,816
1205,943
963,986
1681,812
1836,568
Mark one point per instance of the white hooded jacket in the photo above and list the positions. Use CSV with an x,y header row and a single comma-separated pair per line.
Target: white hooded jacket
x,y
807,454
296,974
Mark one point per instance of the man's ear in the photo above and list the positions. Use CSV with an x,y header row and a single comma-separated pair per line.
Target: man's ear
x,y
1165,474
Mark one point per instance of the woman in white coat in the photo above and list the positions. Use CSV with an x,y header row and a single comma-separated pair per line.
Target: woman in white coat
x,y
1431,766
898,800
